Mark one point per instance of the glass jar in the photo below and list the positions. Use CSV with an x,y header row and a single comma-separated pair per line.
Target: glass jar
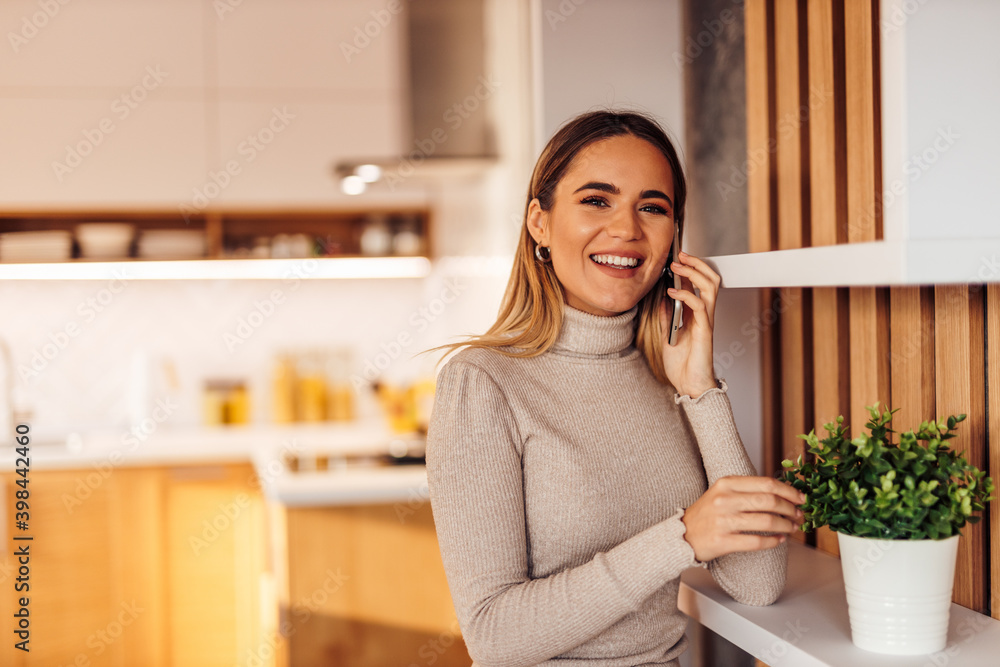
x,y
311,387
376,238
283,390
225,401
340,399
407,240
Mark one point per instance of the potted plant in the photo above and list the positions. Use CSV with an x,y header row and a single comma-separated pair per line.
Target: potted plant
x,y
897,509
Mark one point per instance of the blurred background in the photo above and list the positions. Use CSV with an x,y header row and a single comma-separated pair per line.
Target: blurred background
x,y
226,230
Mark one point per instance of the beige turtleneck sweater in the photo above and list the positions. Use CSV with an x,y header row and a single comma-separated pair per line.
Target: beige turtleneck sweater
x,y
557,486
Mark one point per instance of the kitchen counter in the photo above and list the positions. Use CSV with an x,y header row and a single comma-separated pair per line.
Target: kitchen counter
x,y
808,625
271,449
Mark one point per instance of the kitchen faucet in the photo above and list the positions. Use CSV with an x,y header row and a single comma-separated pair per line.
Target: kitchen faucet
x,y
10,414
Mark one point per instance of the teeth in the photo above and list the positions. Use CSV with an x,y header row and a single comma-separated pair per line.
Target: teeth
x,y
615,260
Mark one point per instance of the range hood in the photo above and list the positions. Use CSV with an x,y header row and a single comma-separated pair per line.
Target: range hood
x,y
448,124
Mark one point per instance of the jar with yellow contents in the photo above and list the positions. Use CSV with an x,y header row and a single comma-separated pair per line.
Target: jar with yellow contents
x,y
225,401
311,389
340,394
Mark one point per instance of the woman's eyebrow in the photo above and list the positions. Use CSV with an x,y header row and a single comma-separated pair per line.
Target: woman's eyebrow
x,y
611,189
655,194
596,185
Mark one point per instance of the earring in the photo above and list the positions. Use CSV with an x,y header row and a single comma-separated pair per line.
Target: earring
x,y
538,254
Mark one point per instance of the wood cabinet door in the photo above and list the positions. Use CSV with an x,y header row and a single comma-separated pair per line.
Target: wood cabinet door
x,y
148,567
94,596
216,550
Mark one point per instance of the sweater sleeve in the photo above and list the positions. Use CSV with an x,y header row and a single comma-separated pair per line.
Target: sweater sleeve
x,y
477,498
750,577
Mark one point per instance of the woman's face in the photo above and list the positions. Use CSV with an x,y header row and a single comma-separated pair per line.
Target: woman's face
x,y
615,202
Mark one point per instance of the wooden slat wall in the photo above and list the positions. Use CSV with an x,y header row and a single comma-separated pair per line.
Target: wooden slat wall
x,y
993,435
959,369
828,215
793,231
929,351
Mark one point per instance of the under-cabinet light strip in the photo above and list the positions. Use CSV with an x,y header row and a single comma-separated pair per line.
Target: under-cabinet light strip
x,y
240,269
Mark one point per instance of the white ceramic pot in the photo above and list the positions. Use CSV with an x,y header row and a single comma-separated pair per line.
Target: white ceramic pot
x,y
898,592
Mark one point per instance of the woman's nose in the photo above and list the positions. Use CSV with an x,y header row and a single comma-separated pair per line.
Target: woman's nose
x,y
625,224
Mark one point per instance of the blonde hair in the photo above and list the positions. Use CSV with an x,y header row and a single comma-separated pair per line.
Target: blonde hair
x,y
531,312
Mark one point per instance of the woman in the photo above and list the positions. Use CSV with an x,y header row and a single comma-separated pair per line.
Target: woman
x,y
577,463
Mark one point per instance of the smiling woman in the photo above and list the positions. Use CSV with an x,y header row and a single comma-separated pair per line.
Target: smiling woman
x,y
608,244
576,463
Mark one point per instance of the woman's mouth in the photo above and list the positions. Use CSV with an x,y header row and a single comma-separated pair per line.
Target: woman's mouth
x,y
615,265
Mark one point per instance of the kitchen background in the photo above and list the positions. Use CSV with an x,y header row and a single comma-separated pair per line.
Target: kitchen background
x,y
137,111
226,70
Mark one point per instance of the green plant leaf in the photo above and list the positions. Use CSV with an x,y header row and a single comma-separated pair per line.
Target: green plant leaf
x,y
868,485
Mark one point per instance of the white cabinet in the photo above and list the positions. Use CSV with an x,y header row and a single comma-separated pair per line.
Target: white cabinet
x,y
286,147
61,150
940,76
201,82
310,48
100,47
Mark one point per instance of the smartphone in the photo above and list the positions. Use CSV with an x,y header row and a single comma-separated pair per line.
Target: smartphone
x,y
671,279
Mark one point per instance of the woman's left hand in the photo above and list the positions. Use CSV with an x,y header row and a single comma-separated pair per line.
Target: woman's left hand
x,y
688,364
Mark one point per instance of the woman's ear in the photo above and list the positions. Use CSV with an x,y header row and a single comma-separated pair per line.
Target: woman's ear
x,y
537,222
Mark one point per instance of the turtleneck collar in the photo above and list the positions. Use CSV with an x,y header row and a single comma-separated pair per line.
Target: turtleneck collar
x,y
584,334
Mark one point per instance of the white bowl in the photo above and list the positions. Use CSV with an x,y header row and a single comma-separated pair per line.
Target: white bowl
x,y
105,239
54,245
171,244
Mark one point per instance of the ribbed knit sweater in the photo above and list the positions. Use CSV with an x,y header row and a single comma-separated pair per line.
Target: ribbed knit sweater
x,y
557,485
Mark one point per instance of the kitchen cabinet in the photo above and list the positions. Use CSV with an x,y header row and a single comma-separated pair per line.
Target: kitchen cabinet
x,y
220,77
141,566
337,232
87,151
366,587
296,162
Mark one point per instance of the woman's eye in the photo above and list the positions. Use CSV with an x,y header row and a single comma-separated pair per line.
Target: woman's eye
x,y
594,201
653,208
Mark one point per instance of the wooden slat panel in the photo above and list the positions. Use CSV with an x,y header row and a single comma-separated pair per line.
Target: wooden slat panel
x,y
993,436
869,330
864,218
796,372
827,149
831,363
759,60
912,335
961,388
828,215
792,231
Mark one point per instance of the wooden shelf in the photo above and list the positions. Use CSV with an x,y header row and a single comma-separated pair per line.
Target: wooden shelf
x,y
335,232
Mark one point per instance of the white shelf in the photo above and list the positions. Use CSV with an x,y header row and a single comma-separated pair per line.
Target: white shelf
x,y
209,269
924,262
364,486
808,625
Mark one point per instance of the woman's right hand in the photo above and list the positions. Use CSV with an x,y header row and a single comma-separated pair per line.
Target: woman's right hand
x,y
716,521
